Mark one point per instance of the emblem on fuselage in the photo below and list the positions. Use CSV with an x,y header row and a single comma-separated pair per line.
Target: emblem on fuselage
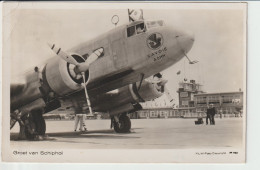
x,y
155,41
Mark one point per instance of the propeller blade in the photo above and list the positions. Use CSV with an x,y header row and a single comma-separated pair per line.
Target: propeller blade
x,y
65,56
83,67
158,79
168,95
80,67
155,79
94,55
162,82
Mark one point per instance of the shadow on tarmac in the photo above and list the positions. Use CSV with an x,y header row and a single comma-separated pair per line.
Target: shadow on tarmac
x,y
105,134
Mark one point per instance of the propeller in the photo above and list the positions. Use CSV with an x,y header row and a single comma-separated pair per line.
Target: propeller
x,y
168,95
65,56
157,78
83,67
80,68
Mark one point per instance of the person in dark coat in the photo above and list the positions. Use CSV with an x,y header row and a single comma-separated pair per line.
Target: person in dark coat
x,y
211,111
208,118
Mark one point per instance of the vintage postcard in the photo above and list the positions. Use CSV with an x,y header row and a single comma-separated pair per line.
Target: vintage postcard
x,y
153,82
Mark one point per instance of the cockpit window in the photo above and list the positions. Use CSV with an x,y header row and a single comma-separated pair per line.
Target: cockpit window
x,y
130,31
140,28
152,24
136,29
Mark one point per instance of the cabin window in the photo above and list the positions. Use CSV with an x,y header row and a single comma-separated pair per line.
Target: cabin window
x,y
136,29
140,28
130,31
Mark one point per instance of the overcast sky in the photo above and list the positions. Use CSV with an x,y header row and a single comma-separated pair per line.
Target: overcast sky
x,y
219,39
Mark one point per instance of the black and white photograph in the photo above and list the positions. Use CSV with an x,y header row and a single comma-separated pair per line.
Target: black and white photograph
x,y
135,82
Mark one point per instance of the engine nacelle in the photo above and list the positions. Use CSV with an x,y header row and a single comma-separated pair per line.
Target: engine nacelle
x,y
60,76
125,108
124,98
22,94
150,91
57,76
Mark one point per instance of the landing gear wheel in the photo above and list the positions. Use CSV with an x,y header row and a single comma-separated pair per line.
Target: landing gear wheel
x,y
124,124
35,126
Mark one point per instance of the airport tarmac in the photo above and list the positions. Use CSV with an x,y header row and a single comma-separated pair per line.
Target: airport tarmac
x,y
145,133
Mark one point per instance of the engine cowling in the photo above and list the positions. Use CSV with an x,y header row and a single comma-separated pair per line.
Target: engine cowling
x,y
126,97
60,76
149,91
57,76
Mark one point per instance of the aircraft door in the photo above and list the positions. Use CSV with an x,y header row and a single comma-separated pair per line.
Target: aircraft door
x,y
119,53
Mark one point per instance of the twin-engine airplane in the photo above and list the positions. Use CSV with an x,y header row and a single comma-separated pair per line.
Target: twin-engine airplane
x,y
113,73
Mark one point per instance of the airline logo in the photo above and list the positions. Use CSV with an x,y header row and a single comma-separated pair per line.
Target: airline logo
x,y
155,41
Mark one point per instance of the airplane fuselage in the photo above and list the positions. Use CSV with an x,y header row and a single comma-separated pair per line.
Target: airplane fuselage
x,y
128,56
106,74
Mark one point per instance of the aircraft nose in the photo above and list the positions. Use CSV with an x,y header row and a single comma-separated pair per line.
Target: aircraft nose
x,y
185,40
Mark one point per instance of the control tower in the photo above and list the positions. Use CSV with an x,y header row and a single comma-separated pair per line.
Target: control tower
x,y
186,92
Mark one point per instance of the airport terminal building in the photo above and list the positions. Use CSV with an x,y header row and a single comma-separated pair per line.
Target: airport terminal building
x,y
193,102
229,102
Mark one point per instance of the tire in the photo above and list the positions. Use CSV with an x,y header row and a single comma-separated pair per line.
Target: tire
x,y
36,126
124,124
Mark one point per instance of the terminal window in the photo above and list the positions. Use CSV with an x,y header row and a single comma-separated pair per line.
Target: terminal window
x,y
227,99
213,99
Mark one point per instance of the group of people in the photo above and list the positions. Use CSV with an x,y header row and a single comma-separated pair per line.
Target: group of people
x,y
211,112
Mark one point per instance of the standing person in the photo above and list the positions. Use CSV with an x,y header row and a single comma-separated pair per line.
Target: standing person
x,y
80,117
241,112
208,116
84,115
237,111
212,112
220,113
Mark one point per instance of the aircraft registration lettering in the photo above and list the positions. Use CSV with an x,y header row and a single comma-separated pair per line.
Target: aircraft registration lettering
x,y
159,57
158,52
